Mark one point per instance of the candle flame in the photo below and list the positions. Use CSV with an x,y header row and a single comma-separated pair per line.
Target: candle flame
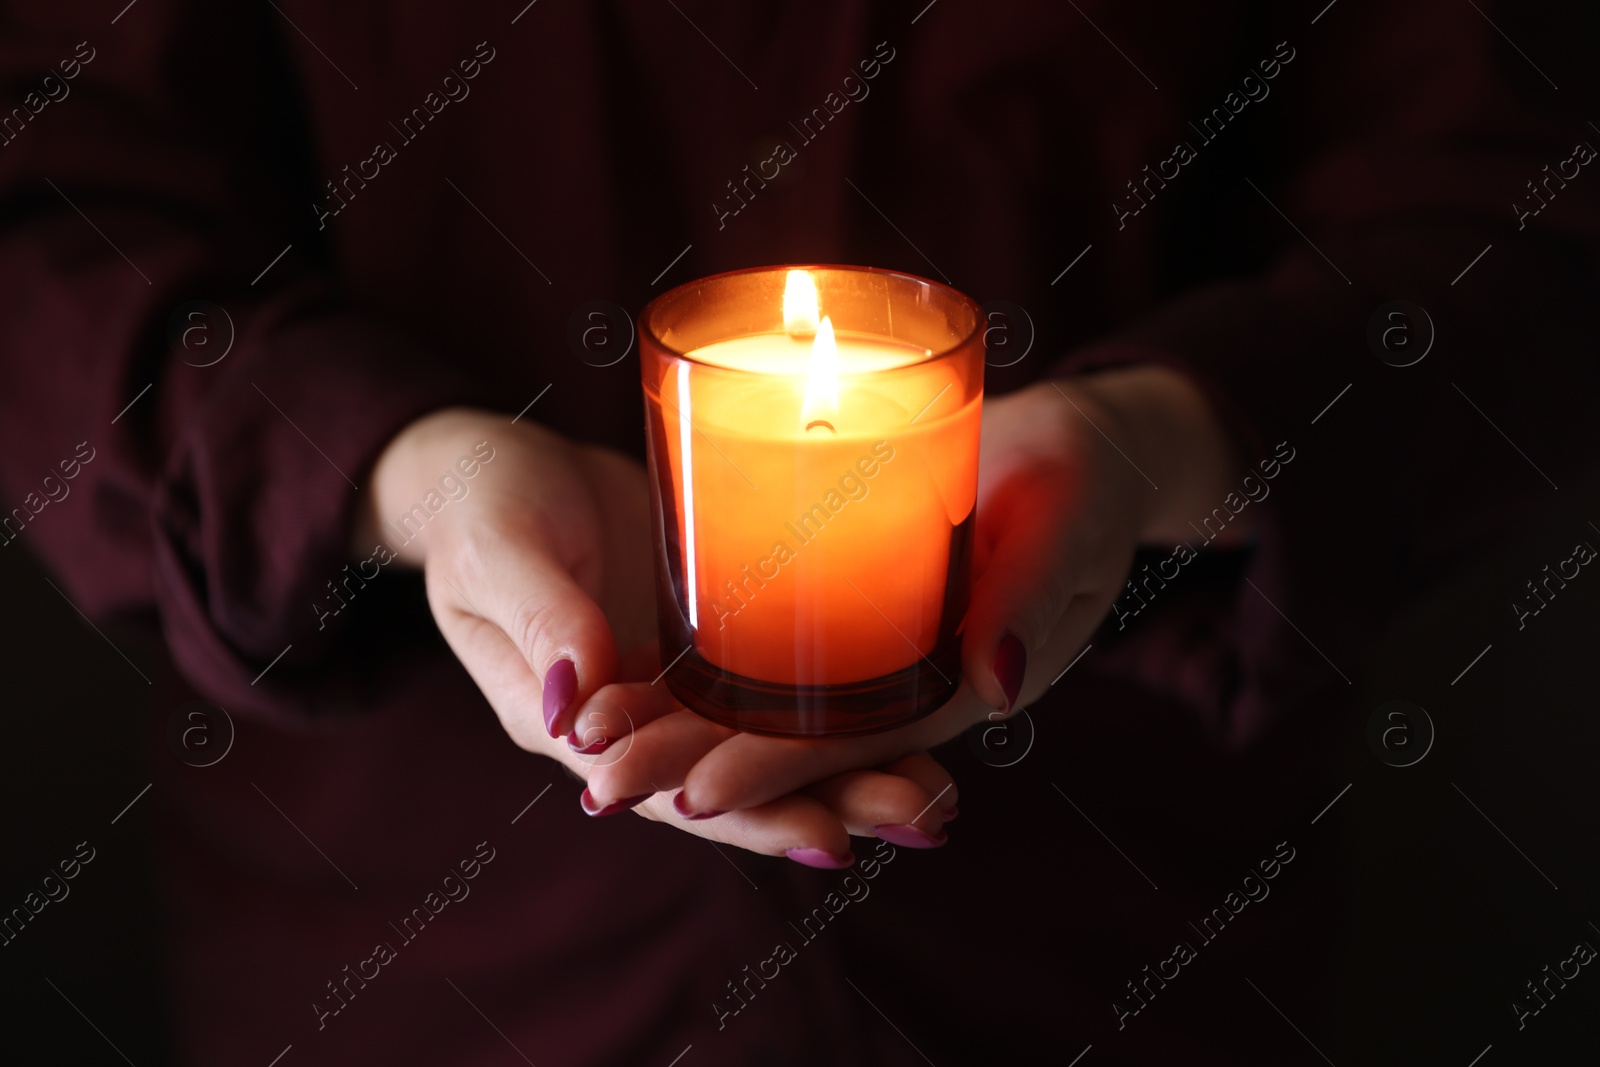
x,y
822,383
800,304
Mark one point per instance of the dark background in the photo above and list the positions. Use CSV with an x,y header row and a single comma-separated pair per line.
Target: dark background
x,y
1443,918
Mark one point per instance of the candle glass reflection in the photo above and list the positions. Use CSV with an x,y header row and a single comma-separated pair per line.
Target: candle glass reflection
x,y
813,448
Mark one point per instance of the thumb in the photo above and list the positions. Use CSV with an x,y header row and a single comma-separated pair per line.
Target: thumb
x,y
503,574
1017,599
1039,595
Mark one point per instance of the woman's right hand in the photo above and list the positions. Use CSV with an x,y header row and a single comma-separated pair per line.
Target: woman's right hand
x,y
539,573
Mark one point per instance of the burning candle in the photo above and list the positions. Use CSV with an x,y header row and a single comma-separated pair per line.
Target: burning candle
x,y
813,441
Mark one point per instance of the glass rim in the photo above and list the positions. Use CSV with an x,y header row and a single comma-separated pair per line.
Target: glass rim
x,y
647,333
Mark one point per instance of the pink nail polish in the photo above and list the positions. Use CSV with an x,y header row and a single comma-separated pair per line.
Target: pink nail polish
x,y
683,809
816,857
590,807
907,836
590,749
560,686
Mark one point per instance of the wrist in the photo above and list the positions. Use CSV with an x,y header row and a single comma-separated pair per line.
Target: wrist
x,y
1168,430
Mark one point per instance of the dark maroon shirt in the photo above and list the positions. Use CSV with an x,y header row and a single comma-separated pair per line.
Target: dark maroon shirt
x,y
400,207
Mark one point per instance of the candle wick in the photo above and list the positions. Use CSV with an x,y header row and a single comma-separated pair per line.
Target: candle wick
x,y
820,422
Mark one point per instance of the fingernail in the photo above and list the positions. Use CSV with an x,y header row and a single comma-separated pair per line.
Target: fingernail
x,y
589,749
951,814
683,809
816,857
907,836
1010,664
560,686
590,808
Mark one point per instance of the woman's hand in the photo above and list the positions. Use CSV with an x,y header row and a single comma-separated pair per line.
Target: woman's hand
x,y
538,566
538,576
1068,487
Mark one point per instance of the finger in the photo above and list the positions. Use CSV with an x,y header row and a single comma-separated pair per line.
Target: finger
x,y
656,757
501,573
1061,649
889,806
615,712
750,769
797,826
930,774
501,674
1017,601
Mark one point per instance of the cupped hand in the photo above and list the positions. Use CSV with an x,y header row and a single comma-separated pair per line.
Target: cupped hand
x,y
906,798
1068,487
538,568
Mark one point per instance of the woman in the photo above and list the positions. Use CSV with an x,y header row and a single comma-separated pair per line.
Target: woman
x,y
388,223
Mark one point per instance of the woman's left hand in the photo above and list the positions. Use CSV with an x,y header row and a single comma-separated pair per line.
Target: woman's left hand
x,y
1067,489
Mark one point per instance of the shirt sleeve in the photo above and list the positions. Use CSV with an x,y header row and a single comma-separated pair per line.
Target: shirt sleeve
x,y
1393,165
214,448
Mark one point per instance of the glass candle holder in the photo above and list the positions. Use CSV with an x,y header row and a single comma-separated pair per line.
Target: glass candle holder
x,y
813,448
